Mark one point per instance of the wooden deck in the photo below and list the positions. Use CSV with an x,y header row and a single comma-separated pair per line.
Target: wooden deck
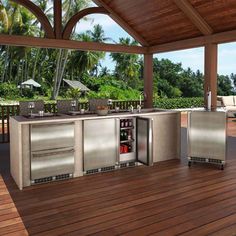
x,y
166,199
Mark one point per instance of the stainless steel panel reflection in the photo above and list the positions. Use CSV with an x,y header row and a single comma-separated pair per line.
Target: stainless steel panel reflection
x,y
207,134
100,143
52,136
51,163
145,140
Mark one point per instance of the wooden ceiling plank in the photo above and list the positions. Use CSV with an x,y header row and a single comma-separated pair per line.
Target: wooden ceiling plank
x,y
122,23
26,41
194,16
79,15
224,37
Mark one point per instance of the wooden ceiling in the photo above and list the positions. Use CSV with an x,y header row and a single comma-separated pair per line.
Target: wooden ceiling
x,y
158,25
154,22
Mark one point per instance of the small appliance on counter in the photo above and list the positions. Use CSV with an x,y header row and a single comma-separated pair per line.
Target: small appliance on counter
x,y
28,108
207,133
66,106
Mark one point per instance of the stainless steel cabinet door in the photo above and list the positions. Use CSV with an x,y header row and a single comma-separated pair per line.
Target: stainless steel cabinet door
x,y
52,136
144,141
207,134
100,143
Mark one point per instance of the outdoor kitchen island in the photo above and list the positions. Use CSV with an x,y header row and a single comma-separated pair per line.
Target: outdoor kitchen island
x,y
45,149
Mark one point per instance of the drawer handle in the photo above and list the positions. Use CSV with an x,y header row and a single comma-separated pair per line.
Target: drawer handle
x,y
51,153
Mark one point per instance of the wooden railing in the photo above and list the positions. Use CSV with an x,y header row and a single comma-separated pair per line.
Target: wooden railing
x,y
12,110
5,112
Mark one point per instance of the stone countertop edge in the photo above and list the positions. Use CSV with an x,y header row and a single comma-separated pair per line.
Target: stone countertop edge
x,y
68,118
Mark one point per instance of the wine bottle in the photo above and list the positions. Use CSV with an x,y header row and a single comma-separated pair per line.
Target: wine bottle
x,y
130,123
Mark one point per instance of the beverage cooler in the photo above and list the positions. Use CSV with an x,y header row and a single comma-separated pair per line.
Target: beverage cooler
x,y
135,141
116,143
207,135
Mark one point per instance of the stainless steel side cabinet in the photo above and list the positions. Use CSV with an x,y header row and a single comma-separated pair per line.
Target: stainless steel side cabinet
x,y
207,135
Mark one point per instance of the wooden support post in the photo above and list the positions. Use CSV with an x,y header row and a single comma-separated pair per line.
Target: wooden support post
x,y
148,80
210,83
58,19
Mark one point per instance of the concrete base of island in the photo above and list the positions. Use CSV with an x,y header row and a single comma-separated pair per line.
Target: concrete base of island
x,y
165,141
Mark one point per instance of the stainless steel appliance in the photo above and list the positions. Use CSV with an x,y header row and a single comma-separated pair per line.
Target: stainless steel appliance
x,y
52,152
144,141
27,107
207,137
136,141
100,145
93,103
65,106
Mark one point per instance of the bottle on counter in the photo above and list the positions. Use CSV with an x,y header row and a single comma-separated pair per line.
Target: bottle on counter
x,y
130,148
126,123
125,149
121,149
122,123
121,135
125,135
130,123
129,135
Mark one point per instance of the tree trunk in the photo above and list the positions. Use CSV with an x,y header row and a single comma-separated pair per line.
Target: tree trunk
x,y
60,69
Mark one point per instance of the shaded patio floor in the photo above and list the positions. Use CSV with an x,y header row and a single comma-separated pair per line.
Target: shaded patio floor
x,y
166,199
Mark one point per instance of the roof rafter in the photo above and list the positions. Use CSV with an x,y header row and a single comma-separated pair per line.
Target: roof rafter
x,y
74,19
224,37
122,23
194,16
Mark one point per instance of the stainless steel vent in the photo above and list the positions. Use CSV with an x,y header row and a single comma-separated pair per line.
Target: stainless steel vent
x,y
127,164
51,178
103,169
206,160
109,168
89,172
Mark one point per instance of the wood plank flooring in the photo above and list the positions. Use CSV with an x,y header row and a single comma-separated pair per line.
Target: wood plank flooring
x,y
166,199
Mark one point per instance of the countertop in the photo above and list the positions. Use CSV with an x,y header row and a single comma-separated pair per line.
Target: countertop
x,y
65,117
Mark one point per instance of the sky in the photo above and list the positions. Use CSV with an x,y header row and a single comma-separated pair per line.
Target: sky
x,y
193,58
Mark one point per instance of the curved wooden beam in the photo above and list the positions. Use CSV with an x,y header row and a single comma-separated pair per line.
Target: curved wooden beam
x,y
40,16
75,18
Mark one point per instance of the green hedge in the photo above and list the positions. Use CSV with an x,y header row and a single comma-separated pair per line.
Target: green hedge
x,y
174,103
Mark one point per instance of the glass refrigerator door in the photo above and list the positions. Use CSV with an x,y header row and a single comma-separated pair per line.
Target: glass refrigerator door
x,y
144,140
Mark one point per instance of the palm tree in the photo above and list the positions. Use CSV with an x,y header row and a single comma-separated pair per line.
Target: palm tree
x,y
127,65
98,35
19,22
84,61
70,7
4,22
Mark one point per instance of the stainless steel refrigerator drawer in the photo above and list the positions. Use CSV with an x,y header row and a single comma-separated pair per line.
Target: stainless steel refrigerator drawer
x,y
46,164
52,136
